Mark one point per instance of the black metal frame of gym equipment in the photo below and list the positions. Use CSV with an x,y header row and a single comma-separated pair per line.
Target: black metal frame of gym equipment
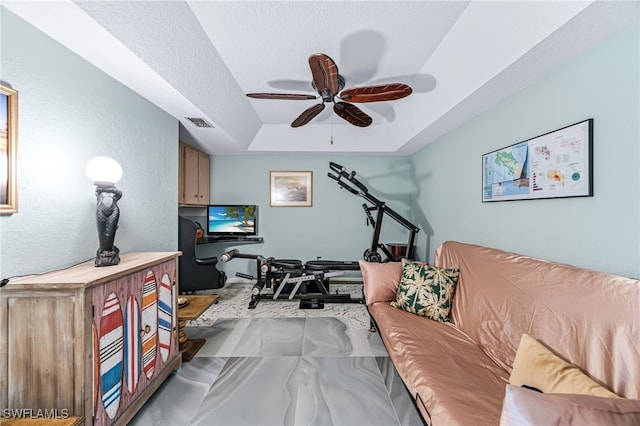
x,y
275,274
357,188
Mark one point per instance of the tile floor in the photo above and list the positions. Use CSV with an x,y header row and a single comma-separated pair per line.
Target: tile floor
x,y
283,371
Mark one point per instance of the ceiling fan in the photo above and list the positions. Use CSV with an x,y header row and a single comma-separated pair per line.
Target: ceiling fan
x,y
329,84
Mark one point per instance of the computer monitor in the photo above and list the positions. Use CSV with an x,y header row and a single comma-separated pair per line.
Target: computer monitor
x,y
232,220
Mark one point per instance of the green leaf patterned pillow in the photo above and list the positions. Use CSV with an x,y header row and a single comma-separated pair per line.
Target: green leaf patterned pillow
x,y
426,290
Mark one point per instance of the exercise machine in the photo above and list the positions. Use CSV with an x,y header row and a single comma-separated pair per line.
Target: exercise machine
x,y
288,279
310,282
349,182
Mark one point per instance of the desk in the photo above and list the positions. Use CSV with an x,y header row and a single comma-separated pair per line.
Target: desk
x,y
195,307
229,240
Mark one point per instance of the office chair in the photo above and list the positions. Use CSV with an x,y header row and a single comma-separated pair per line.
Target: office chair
x,y
195,273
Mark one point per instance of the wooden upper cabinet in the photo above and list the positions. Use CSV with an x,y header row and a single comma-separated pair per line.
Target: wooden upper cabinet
x,y
203,178
194,180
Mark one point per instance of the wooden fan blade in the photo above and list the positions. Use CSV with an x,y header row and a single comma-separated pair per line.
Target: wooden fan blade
x,y
325,75
383,92
288,96
352,114
307,115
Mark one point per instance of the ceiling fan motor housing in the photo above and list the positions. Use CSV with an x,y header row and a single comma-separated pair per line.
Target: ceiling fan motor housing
x,y
327,96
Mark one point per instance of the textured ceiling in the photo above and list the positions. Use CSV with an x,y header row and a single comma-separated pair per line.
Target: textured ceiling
x,y
198,59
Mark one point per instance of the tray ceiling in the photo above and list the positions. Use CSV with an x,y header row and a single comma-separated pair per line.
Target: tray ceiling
x,y
198,59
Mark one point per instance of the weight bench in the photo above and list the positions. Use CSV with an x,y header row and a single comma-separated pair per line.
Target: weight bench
x,y
289,279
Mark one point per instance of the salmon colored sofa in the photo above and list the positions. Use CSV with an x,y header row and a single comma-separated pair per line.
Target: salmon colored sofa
x,y
458,372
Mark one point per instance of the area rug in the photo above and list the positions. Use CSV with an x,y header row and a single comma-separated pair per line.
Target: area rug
x,y
236,295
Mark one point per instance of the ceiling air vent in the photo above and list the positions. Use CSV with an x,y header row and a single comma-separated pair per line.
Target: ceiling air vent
x,y
200,122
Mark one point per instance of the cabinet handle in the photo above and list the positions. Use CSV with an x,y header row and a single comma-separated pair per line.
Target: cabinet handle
x,y
145,330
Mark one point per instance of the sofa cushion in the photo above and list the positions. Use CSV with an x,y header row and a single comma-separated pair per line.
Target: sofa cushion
x,y
535,365
523,407
426,290
447,373
380,280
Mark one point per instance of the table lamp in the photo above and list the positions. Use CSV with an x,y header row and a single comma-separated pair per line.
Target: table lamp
x,y
105,172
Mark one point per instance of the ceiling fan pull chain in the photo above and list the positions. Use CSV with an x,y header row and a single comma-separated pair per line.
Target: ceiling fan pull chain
x,y
332,129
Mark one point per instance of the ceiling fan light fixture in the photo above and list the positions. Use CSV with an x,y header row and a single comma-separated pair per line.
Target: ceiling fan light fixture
x,y
329,83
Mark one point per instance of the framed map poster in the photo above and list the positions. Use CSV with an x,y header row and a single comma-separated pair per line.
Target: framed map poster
x,y
556,164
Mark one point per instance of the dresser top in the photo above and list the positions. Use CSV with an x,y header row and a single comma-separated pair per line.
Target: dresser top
x,y
87,274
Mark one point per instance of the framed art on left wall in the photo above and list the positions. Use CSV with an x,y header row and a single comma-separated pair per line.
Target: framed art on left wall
x,y
8,150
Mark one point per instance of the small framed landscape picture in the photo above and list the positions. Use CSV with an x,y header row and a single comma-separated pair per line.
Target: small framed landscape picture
x,y
291,189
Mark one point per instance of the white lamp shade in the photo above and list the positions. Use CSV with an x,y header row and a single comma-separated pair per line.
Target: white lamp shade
x,y
103,169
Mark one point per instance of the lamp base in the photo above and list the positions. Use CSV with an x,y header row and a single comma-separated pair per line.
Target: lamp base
x,y
108,257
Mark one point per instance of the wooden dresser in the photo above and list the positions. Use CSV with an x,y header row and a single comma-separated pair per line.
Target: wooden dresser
x,y
90,342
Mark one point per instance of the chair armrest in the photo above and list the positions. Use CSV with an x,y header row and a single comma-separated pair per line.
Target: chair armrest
x,y
207,261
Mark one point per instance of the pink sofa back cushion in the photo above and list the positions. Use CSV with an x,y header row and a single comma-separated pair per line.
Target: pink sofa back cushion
x,y
380,280
588,318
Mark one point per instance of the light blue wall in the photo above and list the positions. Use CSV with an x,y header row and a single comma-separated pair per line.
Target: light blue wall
x,y
601,232
334,228
70,112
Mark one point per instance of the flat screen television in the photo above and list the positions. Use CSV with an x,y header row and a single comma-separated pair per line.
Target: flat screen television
x,y
232,220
